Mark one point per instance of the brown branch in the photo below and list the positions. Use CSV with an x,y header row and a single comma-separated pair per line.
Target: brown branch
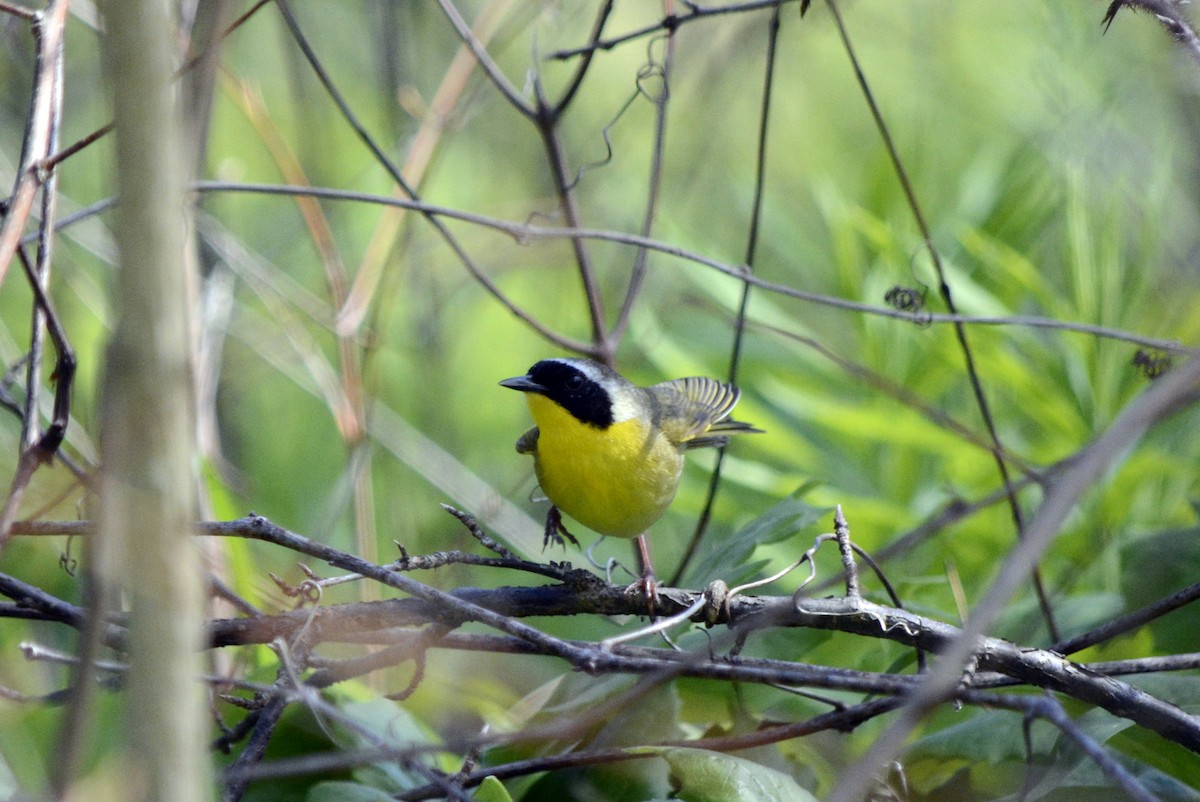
x,y
41,137
997,661
745,615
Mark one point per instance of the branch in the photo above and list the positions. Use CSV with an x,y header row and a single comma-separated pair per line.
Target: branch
x,y
36,145
671,23
583,593
524,233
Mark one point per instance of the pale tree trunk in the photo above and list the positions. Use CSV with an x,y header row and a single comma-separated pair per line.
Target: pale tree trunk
x,y
147,494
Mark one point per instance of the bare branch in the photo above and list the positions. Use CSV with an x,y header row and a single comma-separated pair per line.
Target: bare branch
x,y
524,232
49,27
670,23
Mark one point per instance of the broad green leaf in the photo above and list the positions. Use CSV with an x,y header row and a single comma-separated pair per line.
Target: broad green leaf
x,y
344,791
784,519
1087,781
1156,565
703,776
987,736
381,721
519,714
655,717
731,561
492,790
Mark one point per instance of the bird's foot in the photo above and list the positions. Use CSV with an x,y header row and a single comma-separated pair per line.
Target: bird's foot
x,y
646,586
556,530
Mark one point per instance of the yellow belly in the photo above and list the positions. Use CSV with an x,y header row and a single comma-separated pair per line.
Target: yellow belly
x,y
617,481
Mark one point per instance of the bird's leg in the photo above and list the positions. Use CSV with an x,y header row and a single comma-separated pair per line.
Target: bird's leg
x,y
647,583
555,529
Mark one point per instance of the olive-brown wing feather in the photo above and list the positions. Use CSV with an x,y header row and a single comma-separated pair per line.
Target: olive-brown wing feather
x,y
694,412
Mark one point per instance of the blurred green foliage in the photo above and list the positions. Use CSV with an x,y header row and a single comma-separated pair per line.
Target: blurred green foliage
x,y
1057,167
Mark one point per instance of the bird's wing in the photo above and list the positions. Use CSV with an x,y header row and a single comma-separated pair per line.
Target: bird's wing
x,y
697,406
527,443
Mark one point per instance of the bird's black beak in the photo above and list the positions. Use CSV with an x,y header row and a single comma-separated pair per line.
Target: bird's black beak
x,y
524,384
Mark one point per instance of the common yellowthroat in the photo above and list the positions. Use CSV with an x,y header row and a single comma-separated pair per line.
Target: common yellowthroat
x,y
609,453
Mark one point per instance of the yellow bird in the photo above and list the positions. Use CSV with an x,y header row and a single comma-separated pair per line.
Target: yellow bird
x,y
609,453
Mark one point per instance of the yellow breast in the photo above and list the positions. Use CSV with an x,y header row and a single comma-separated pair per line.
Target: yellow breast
x,y
616,481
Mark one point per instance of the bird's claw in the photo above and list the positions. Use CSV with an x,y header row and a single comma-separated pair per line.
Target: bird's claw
x,y
646,586
556,530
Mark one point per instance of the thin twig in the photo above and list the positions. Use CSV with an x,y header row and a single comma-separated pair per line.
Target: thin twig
x,y
49,27
581,70
1129,621
42,133
1048,708
524,233
669,23
841,531
266,719
490,67
39,273
654,187
485,540
27,14
546,117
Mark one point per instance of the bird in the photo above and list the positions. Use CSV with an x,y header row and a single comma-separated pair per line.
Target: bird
x,y
608,452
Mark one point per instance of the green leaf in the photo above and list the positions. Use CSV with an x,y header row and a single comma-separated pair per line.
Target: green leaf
x,y
984,737
783,519
703,776
1087,781
731,560
343,791
1147,576
492,790
389,724
519,714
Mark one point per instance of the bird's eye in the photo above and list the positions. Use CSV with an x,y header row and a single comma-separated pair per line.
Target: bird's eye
x,y
575,383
